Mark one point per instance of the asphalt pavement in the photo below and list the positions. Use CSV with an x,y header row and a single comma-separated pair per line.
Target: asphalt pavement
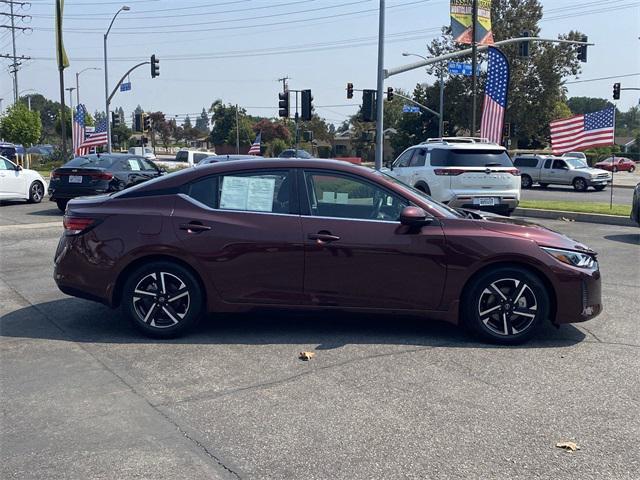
x,y
84,396
621,195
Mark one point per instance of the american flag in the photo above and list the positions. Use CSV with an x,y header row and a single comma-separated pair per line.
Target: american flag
x,y
583,131
78,130
495,96
255,146
95,139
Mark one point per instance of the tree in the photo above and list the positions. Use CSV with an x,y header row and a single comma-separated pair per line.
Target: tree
x,y
138,109
19,125
580,105
224,124
49,112
560,110
187,123
272,130
202,122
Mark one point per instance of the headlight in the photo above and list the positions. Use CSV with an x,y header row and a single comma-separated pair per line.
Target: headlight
x,y
575,259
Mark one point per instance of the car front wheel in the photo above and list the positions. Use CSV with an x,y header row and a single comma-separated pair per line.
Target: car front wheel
x,y
580,184
526,181
162,299
632,169
505,305
36,192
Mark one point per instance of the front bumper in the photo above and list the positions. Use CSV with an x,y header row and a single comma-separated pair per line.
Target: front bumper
x,y
595,182
579,296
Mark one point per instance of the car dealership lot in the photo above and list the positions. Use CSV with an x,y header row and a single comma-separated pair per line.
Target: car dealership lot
x,y
84,395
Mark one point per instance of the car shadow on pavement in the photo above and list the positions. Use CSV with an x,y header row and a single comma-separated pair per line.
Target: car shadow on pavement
x,y
82,321
632,238
49,212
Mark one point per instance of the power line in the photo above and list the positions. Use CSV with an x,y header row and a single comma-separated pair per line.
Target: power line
x,y
14,56
603,78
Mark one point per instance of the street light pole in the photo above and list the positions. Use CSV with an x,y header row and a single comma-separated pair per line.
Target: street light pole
x,y
78,82
71,89
124,8
474,64
380,93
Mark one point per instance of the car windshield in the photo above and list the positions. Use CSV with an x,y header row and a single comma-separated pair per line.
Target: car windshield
x,y
576,162
470,158
440,207
100,162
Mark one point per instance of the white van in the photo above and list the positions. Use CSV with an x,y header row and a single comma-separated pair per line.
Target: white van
x,y
146,152
185,158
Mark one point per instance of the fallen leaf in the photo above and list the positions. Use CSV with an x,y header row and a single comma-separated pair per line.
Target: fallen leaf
x,y
568,446
306,355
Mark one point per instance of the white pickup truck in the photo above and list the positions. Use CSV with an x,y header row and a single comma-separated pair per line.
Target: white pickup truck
x,y
184,158
547,170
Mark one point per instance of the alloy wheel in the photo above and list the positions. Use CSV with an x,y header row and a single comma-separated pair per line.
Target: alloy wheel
x,y
37,192
507,306
161,299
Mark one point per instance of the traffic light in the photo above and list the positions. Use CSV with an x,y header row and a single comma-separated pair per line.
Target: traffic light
x,y
616,91
389,93
523,47
137,122
582,50
506,130
307,136
307,107
349,90
115,119
155,66
146,122
283,104
368,105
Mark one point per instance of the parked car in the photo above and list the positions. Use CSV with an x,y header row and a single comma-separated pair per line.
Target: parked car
x,y
99,174
461,172
547,170
146,152
617,164
225,158
20,183
635,205
316,235
295,153
185,158
8,150
579,155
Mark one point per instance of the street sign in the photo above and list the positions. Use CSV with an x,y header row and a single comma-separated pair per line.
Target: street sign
x,y
460,68
410,109
125,86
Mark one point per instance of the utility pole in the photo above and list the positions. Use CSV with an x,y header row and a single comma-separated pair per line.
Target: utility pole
x,y
474,65
14,66
237,132
380,90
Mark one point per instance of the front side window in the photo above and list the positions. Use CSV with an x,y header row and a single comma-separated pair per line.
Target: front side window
x,y
182,156
267,191
146,165
199,156
404,159
559,165
5,164
344,196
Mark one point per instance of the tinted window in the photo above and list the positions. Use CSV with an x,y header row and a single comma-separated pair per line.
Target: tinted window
x,y
205,191
342,196
102,162
547,163
470,158
146,164
559,164
182,156
404,159
525,162
199,156
419,158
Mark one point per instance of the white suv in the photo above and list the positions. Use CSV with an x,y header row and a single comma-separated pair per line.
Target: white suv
x,y
461,172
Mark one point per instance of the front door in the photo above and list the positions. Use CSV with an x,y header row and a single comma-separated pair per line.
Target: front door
x,y
12,181
242,228
356,252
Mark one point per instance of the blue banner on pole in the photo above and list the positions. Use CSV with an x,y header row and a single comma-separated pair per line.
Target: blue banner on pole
x,y
124,87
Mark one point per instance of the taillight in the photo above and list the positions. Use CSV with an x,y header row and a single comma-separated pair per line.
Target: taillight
x,y
514,171
452,172
55,175
102,176
76,225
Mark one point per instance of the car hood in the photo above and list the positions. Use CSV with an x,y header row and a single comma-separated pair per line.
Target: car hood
x,y
591,170
543,236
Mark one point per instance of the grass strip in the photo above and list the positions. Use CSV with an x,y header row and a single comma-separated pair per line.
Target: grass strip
x,y
601,208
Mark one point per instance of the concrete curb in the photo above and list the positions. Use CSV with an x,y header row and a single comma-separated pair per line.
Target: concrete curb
x,y
576,217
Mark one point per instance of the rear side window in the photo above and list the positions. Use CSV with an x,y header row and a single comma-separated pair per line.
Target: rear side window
x,y
547,163
419,158
470,158
525,162
182,156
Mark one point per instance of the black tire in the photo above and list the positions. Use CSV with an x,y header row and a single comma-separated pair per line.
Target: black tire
x,y
154,313
526,181
423,188
486,312
599,188
543,185
62,204
614,169
580,184
36,192
632,169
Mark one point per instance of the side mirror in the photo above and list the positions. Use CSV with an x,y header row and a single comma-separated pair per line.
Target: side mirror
x,y
414,217
162,171
18,167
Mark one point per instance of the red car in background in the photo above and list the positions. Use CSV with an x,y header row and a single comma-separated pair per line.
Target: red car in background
x,y
617,164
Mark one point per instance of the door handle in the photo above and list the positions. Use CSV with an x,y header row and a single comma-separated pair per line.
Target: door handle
x,y
194,227
323,237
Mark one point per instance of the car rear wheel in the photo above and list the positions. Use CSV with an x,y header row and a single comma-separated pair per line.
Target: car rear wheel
x,y
62,205
526,181
162,299
580,184
36,192
505,305
423,188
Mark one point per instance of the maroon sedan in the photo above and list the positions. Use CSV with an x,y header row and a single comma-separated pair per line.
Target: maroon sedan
x,y
316,234
617,164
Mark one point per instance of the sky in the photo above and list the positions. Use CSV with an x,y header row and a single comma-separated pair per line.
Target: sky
x,y
236,50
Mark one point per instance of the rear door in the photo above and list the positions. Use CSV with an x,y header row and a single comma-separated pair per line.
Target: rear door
x,y
244,229
356,252
545,172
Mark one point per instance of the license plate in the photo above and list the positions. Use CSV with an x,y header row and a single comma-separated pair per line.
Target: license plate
x,y
484,201
75,178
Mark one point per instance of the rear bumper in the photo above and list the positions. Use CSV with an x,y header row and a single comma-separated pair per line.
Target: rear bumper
x,y
501,201
69,193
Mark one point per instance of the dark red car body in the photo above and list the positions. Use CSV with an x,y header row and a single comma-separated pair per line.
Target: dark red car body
x,y
619,164
251,259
